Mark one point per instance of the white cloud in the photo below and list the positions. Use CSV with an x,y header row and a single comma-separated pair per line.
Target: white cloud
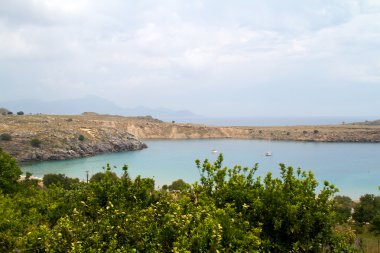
x,y
114,47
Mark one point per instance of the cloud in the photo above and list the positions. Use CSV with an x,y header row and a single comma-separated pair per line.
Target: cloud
x,y
170,52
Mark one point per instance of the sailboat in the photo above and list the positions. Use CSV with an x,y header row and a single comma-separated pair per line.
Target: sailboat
x,y
269,153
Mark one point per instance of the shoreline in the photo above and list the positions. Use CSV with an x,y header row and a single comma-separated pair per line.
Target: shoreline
x,y
107,134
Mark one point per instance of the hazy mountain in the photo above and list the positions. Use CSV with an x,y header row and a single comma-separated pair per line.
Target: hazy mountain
x,y
91,104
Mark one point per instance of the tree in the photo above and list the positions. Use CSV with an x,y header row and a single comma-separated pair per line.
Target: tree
x,y
367,208
20,113
9,172
59,180
102,176
292,215
179,185
343,207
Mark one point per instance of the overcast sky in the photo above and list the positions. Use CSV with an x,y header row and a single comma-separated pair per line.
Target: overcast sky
x,y
215,58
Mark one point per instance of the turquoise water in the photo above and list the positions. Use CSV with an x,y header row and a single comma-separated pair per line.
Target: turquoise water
x,y
353,167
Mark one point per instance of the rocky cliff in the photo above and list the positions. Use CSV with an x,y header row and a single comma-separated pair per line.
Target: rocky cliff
x,y
62,137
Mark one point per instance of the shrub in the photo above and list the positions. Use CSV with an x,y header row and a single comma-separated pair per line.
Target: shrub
x,y
20,113
81,137
179,184
5,137
59,180
375,225
316,131
104,176
9,173
35,143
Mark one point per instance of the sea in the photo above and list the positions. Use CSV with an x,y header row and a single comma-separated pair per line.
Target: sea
x,y
354,168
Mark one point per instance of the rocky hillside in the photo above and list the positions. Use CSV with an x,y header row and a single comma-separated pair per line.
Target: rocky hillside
x,y
369,123
65,137
42,137
327,133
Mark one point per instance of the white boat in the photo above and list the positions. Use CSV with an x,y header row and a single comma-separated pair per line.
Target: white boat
x,y
214,151
268,153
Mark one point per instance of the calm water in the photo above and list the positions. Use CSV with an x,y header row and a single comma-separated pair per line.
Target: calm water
x,y
353,168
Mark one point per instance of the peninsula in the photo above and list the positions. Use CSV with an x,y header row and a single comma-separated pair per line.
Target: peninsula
x,y
61,137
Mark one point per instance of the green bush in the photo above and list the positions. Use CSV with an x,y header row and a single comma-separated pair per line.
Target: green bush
x,y
367,208
59,180
20,113
5,137
9,172
81,137
35,143
179,185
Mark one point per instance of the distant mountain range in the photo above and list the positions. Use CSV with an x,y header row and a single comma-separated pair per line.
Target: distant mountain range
x,y
92,104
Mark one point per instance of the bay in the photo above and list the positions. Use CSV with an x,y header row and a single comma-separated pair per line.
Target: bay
x,y
352,167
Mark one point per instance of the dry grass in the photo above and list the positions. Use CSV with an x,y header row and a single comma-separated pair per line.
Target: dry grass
x,y
369,242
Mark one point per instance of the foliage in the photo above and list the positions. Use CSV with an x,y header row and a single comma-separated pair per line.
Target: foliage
x,y
343,238
59,180
35,143
343,207
228,210
292,216
179,185
375,225
20,113
107,175
5,137
9,172
367,208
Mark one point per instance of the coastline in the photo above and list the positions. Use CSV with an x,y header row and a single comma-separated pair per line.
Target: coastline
x,y
59,134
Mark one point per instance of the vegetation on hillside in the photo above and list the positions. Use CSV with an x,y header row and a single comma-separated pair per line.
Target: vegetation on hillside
x,y
227,210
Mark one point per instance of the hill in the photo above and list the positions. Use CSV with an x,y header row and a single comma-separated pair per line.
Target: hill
x,y
57,137
368,123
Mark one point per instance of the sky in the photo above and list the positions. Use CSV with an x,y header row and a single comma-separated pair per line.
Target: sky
x,y
215,58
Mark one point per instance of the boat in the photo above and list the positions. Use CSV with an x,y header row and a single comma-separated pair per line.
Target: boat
x,y
214,151
268,153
